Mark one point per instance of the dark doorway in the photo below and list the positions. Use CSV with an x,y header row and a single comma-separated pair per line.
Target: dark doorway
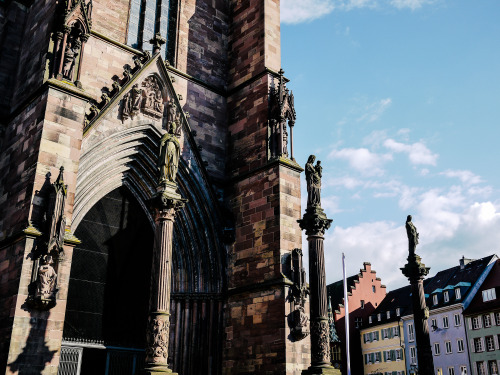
x,y
109,283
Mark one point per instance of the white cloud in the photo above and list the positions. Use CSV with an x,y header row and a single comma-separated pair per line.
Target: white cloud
x,y
346,182
375,110
298,11
411,4
417,152
363,160
467,177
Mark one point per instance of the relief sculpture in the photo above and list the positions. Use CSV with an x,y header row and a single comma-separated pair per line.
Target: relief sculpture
x,y
157,338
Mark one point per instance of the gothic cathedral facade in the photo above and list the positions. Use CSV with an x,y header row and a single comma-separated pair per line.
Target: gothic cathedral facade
x,y
90,91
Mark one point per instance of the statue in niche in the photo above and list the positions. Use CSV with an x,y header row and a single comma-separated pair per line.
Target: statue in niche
x,y
46,282
170,150
173,115
412,233
284,151
313,179
70,55
153,97
132,102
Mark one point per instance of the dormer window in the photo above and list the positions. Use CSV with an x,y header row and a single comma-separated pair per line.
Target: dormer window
x,y
446,296
457,293
489,295
388,315
398,312
435,299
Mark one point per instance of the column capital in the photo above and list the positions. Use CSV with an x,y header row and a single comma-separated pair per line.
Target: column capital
x,y
415,270
167,202
314,222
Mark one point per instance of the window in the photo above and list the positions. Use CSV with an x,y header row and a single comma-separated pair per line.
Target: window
x,y
460,345
399,354
448,347
487,320
388,314
439,371
490,343
413,355
445,322
478,345
411,332
373,288
435,299
377,357
379,317
385,334
463,370
437,349
493,366
457,293
489,295
434,324
451,371
446,296
457,320
398,312
476,322
497,318
362,303
358,322
370,319
375,336
395,331
481,368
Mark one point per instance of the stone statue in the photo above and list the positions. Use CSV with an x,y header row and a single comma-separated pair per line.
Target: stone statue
x,y
412,233
70,55
168,160
132,102
153,97
46,281
313,179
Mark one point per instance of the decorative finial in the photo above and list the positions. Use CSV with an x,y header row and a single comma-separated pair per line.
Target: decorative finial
x,y
157,42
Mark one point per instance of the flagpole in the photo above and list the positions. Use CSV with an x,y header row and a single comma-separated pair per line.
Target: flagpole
x,y
346,307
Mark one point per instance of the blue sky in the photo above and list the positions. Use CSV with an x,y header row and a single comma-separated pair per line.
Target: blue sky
x,y
400,100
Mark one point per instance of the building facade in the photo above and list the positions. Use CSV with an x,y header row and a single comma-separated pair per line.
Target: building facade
x,y
448,294
483,326
365,292
98,87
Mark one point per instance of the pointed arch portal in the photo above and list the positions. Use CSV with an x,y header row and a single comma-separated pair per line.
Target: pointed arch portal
x,y
108,293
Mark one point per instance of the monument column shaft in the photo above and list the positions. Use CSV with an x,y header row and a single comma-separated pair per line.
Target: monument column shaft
x,y
158,329
318,302
424,351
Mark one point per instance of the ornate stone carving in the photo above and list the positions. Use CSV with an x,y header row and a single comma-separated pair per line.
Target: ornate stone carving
x,y
168,159
299,291
49,246
282,114
46,281
412,233
152,97
157,339
320,352
132,102
73,29
313,179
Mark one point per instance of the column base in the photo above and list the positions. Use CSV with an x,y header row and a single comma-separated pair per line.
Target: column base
x,y
330,370
157,370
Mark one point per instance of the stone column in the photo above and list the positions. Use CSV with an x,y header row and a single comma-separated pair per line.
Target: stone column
x,y
315,223
415,271
166,204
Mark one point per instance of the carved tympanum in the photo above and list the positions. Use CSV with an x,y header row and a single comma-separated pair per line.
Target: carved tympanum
x,y
152,97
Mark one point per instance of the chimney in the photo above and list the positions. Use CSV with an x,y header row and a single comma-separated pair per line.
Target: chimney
x,y
464,261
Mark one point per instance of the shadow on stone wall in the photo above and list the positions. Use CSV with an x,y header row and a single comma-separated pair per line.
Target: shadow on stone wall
x,y
35,355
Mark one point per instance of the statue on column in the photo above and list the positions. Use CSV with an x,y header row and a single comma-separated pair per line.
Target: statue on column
x,y
170,149
46,282
313,179
412,233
